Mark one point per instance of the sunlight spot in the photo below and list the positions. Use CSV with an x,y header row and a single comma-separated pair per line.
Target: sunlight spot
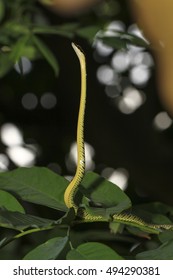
x,y
117,176
131,100
4,162
29,101
48,100
25,64
105,74
11,135
162,121
121,61
102,49
140,74
68,177
147,59
116,25
143,58
21,156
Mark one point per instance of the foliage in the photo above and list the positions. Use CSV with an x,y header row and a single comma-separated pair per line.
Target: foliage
x,y
25,189
23,24
42,187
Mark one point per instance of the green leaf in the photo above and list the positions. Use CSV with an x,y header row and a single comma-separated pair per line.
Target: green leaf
x,y
134,40
17,49
156,208
88,32
164,252
38,185
138,232
46,53
155,213
30,52
5,64
66,30
15,29
165,236
121,39
104,193
93,251
9,202
49,250
20,221
115,227
114,42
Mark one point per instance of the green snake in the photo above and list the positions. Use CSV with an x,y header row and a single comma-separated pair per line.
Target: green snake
x,y
69,195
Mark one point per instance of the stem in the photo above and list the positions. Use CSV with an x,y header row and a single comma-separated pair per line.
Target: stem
x,y
68,235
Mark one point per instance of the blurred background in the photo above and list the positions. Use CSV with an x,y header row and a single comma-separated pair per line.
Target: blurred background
x,y
128,130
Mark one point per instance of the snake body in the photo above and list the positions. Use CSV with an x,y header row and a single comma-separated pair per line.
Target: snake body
x,y
69,195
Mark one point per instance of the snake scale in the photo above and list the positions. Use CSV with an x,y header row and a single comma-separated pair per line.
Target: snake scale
x,y
69,195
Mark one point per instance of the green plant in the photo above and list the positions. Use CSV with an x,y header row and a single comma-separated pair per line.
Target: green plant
x,y
67,237
42,187
23,24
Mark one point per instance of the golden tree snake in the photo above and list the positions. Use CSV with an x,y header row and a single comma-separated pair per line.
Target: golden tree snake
x,y
70,192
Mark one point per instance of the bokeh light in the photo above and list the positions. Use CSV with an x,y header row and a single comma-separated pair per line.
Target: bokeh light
x,y
11,135
21,156
162,121
105,74
131,100
25,66
140,74
4,162
29,101
48,100
117,176
120,61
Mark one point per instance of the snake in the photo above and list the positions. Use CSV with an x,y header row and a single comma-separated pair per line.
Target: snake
x,y
73,186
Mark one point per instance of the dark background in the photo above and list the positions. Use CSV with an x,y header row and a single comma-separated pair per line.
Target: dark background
x,y
119,140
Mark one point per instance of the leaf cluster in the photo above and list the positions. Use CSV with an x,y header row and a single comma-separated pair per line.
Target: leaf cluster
x,y
40,186
23,25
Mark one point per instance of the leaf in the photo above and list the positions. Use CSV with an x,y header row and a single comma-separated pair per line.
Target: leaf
x,y
155,213
164,252
67,218
93,251
46,52
17,49
134,40
115,227
15,29
9,202
138,232
49,250
114,42
14,54
121,40
5,64
20,221
104,193
156,207
88,32
66,30
38,185
165,236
